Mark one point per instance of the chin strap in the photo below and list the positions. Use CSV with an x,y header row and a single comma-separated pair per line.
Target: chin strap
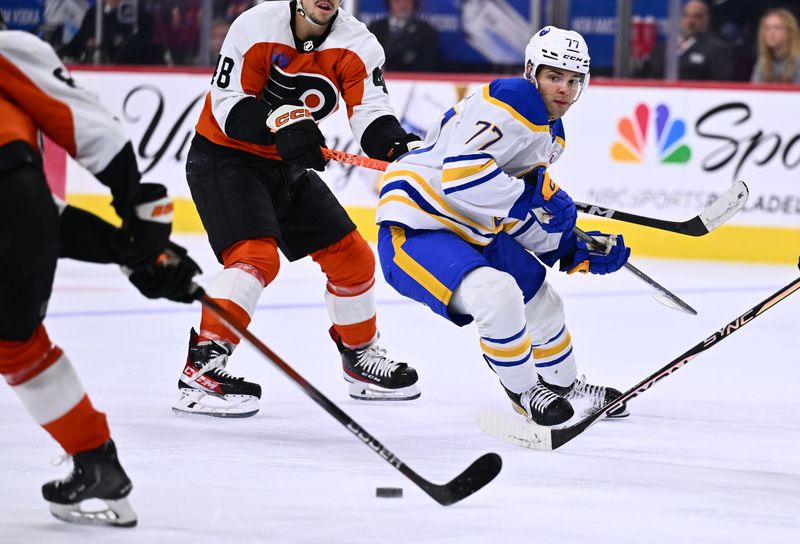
x,y
305,16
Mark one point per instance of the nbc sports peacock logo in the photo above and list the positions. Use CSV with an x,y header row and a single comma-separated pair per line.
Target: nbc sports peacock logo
x,y
669,131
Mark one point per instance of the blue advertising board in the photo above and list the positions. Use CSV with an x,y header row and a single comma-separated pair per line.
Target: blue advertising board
x,y
463,39
468,29
23,14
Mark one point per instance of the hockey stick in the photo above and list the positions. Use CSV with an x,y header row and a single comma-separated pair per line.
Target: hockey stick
x,y
478,474
664,295
720,211
527,434
356,160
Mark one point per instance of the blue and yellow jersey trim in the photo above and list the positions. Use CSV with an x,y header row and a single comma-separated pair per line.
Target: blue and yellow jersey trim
x,y
521,100
415,270
557,131
410,189
462,172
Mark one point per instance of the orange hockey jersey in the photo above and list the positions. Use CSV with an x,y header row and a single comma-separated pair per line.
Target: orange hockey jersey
x,y
262,58
38,93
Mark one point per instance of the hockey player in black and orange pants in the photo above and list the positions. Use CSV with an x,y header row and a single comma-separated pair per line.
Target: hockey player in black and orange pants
x,y
284,67
37,94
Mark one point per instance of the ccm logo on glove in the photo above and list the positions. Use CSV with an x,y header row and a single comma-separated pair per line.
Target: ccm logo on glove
x,y
287,115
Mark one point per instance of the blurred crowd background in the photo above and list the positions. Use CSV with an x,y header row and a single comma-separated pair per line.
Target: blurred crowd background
x,y
708,40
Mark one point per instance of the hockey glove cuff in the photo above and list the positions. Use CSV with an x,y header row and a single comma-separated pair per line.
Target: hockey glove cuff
x,y
552,207
297,137
408,143
610,256
145,231
169,276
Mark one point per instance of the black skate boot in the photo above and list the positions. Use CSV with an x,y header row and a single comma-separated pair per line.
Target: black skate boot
x,y
541,405
590,398
208,389
96,474
374,376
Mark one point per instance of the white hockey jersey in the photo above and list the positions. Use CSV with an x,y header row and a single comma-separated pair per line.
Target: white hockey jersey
x,y
466,176
37,92
262,58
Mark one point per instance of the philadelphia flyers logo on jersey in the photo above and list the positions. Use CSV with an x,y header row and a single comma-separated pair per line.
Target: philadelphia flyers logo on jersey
x,y
316,92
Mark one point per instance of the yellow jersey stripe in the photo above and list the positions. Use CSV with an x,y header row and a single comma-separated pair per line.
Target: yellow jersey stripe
x,y
416,270
438,199
451,225
458,174
514,113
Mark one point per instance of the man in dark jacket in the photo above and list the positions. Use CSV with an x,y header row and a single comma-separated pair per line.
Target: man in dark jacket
x,y
411,44
128,36
701,56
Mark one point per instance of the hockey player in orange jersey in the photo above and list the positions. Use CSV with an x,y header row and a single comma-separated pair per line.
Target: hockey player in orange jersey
x,y
283,67
37,94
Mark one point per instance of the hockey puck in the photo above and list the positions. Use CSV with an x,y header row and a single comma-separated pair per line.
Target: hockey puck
x,y
389,492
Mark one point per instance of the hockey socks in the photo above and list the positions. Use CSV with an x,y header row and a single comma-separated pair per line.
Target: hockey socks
x,y
43,378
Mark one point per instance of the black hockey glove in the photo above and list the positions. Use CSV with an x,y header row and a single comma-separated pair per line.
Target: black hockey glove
x,y
169,276
145,231
408,143
297,136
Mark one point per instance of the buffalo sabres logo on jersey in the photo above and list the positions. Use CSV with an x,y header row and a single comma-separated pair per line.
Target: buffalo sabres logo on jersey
x,y
315,91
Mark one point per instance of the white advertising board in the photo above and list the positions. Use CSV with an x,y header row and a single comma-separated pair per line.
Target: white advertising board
x,y
663,152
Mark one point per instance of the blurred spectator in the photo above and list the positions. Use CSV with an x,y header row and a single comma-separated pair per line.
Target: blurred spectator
x,y
701,56
128,36
778,49
410,44
231,9
180,29
219,29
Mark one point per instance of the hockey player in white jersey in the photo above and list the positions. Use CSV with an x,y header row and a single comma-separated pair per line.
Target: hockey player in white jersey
x,y
284,66
467,220
37,94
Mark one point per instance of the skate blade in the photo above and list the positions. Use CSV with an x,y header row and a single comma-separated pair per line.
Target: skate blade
x,y
584,408
118,513
368,391
616,414
194,401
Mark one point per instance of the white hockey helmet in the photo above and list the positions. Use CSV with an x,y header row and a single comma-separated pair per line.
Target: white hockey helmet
x,y
557,48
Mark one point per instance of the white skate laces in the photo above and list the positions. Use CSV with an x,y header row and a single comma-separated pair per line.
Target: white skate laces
x,y
596,394
372,375
216,365
373,360
537,399
591,398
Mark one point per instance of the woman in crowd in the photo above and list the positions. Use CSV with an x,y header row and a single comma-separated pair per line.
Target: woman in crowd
x,y
778,48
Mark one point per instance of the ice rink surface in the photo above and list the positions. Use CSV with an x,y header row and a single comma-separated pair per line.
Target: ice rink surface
x,y
709,455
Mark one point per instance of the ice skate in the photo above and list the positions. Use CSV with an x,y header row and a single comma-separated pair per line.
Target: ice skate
x,y
372,375
541,405
208,389
96,474
590,398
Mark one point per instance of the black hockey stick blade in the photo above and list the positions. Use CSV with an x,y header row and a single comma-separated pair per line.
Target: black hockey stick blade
x,y
477,475
527,434
720,211
482,471
663,296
